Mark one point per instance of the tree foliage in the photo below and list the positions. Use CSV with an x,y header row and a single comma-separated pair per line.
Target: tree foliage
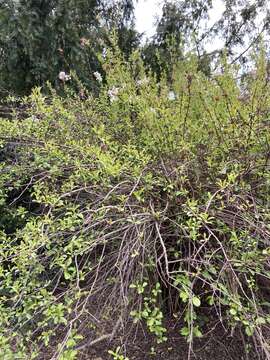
x,y
40,38
240,27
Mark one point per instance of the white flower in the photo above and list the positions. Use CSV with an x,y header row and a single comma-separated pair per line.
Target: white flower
x,y
113,92
34,118
98,76
63,76
143,81
152,110
171,95
104,53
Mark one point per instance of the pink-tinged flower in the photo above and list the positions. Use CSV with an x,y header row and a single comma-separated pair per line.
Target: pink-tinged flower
x,y
113,92
63,76
84,42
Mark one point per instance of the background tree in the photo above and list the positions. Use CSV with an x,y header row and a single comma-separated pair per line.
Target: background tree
x,y
187,22
39,38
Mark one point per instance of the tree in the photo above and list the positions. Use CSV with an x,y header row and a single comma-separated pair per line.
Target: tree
x,y
240,26
39,38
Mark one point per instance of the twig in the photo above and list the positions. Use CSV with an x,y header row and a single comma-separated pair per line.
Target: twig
x,y
101,338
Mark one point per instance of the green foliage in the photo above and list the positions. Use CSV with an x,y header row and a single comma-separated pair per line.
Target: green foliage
x,y
116,354
150,311
148,192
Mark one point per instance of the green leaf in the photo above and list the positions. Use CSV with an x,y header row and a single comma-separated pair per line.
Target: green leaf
x,y
196,301
184,296
233,311
249,331
197,332
184,331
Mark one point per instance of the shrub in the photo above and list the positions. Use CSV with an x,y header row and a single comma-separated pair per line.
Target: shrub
x,y
112,197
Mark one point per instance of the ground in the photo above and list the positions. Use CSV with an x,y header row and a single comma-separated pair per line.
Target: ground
x,y
216,345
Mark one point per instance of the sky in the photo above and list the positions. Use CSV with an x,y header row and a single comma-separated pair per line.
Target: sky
x,y
147,11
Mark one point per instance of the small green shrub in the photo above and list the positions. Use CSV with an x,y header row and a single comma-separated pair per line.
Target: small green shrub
x,y
116,354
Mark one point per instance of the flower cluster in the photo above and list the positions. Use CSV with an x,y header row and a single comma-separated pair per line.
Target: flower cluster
x,y
84,42
63,76
142,82
104,53
171,95
98,76
112,93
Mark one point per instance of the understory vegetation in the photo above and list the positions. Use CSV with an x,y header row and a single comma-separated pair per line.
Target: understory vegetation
x,y
148,198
